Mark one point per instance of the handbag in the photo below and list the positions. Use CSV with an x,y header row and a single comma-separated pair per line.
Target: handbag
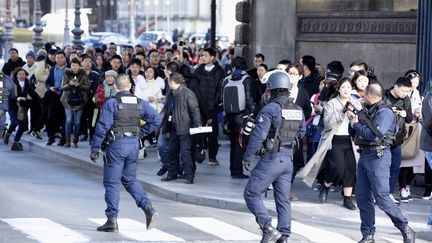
x,y
22,114
411,144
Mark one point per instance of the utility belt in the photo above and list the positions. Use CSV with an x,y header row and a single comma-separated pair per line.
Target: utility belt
x,y
112,136
125,134
378,149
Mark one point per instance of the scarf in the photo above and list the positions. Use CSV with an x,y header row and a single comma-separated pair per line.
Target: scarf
x,y
109,90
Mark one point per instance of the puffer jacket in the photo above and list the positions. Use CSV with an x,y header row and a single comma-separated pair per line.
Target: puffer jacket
x,y
84,86
186,113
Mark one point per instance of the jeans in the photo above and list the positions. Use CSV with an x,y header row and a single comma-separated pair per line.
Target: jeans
x,y
22,126
396,156
76,115
429,160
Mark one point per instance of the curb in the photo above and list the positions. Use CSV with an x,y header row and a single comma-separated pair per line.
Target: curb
x,y
149,187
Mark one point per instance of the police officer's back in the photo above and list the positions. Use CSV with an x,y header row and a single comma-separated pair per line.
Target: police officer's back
x,y
120,124
278,125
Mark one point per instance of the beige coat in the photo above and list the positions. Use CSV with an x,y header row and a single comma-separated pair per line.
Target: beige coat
x,y
41,75
333,119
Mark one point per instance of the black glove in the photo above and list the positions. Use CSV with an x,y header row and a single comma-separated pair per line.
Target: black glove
x,y
94,156
247,165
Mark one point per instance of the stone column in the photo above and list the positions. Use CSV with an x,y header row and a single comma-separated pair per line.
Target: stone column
x,y
424,42
381,5
37,39
8,35
66,28
273,30
77,31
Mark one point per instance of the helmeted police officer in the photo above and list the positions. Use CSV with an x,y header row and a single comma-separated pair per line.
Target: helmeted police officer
x,y
120,117
5,91
373,171
279,123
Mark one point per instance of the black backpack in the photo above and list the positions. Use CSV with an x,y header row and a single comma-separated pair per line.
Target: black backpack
x,y
75,97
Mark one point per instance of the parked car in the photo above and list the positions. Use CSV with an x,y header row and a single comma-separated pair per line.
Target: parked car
x,y
145,38
97,39
200,40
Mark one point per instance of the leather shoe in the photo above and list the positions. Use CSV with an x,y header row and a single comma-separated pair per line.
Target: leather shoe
x,y
241,176
162,171
349,204
109,226
151,216
283,239
169,178
189,181
408,235
367,239
323,194
270,235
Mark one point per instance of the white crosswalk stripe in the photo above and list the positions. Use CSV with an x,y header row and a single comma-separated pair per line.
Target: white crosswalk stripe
x,y
316,234
45,230
218,228
135,230
386,222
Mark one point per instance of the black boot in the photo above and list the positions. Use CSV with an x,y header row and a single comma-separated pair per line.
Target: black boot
x,y
151,216
283,239
109,226
16,147
348,203
323,193
408,235
270,235
51,140
367,239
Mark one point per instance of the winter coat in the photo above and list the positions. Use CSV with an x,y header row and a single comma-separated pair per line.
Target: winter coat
x,y
10,66
186,113
84,86
41,75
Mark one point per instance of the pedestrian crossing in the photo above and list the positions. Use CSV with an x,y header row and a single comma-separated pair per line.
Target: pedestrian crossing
x,y
45,230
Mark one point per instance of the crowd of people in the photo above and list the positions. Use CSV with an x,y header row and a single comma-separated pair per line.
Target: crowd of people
x,y
63,91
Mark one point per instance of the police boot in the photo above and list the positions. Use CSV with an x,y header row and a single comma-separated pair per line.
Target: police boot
x,y
151,216
270,235
6,138
283,239
367,239
323,193
75,142
408,235
109,226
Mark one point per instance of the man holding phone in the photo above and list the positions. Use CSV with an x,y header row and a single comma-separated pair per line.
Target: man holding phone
x,y
56,114
398,98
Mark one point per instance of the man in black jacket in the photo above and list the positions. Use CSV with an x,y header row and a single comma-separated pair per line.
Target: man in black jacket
x,y
185,115
14,62
398,98
235,120
210,76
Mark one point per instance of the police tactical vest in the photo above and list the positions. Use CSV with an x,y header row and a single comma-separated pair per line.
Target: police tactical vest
x,y
389,137
292,116
128,117
3,90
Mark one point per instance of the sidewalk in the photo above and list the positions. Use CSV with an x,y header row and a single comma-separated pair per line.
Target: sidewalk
x,y
213,185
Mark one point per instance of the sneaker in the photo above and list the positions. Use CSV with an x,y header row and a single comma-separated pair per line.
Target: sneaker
x,y
427,194
393,199
404,195
409,194
213,162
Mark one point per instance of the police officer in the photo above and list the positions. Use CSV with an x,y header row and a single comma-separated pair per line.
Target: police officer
x,y
373,171
278,124
5,91
120,117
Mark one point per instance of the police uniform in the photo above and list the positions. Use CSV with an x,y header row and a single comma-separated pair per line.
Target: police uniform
x,y
373,171
121,115
274,167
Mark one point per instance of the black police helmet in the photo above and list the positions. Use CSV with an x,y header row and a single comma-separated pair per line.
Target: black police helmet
x,y
278,79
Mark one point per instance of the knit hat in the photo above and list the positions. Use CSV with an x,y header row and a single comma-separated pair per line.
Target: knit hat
x,y
111,73
31,54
